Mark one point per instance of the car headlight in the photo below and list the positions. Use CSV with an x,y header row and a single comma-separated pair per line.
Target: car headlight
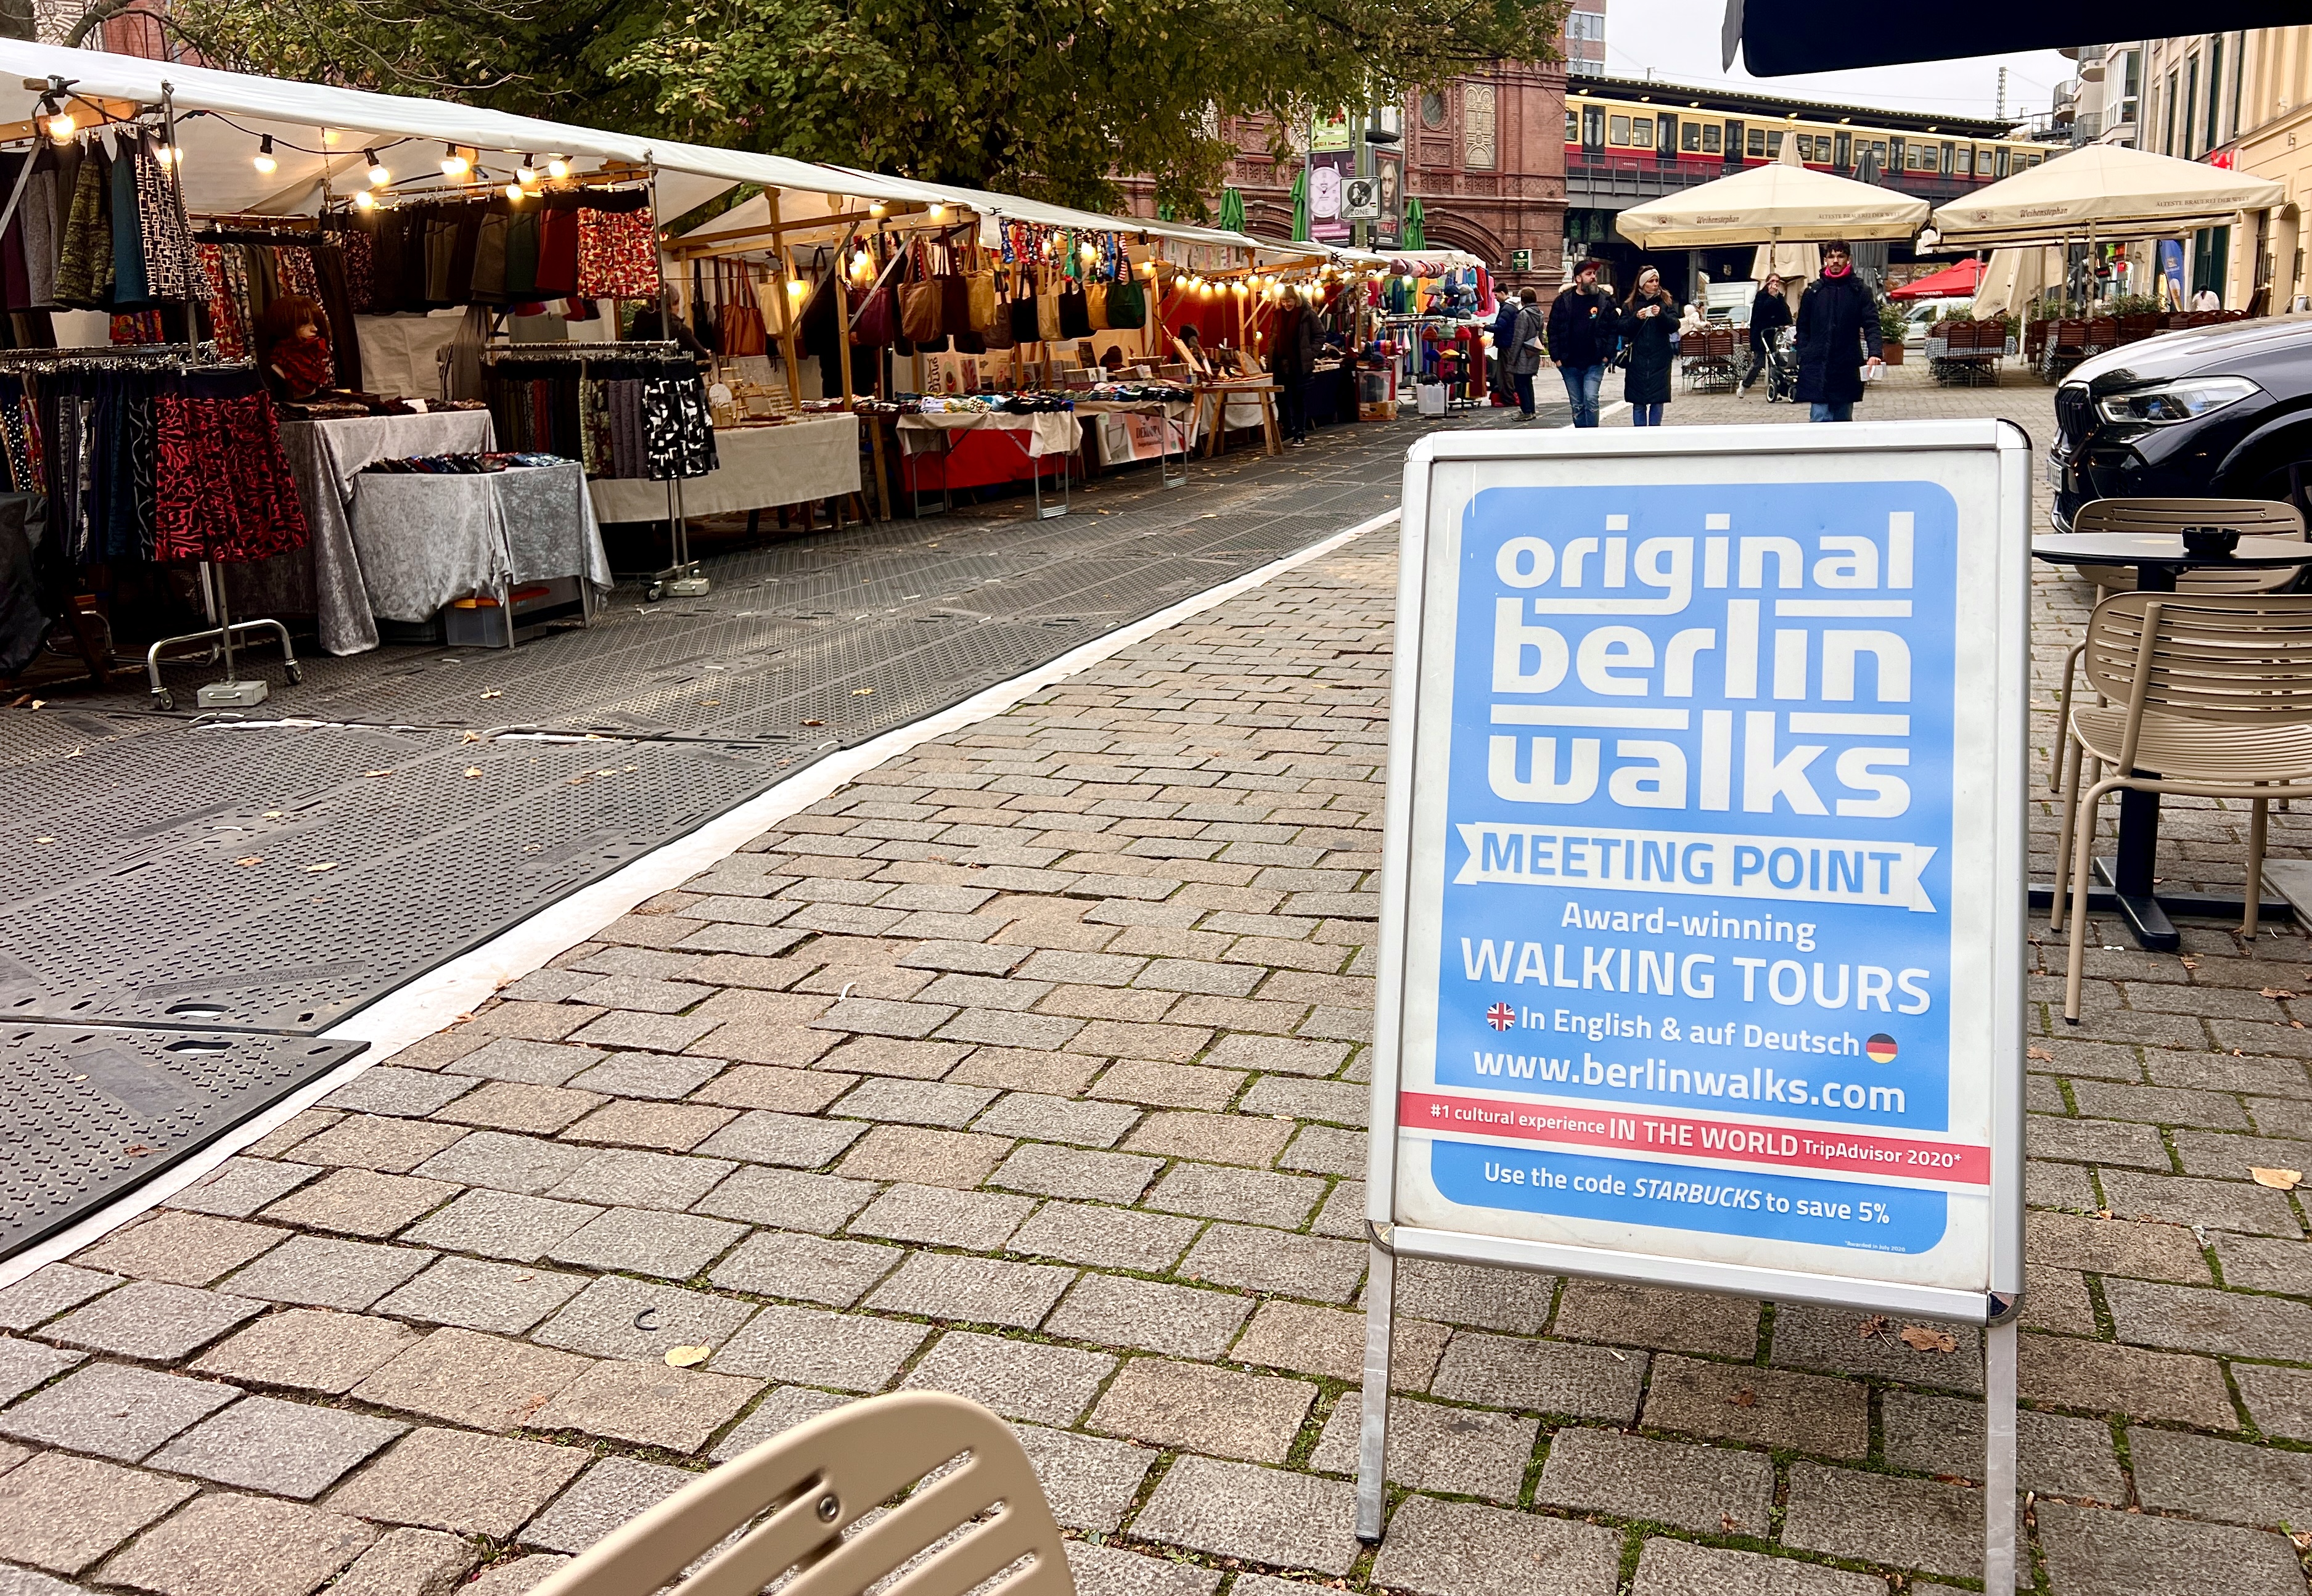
x,y
2171,402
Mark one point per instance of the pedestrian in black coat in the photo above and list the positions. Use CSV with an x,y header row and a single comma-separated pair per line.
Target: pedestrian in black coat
x,y
1838,335
1648,324
1770,312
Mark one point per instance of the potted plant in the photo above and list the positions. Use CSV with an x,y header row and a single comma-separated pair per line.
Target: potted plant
x,y
1890,330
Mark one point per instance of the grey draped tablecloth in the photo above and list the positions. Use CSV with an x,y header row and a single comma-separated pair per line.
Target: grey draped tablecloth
x,y
324,578
424,542
762,468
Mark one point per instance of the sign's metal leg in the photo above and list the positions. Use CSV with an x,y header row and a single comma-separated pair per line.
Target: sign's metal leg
x,y
1372,1435
1999,1460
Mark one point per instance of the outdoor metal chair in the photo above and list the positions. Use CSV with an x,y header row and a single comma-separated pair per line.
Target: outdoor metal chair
x,y
2208,695
806,1502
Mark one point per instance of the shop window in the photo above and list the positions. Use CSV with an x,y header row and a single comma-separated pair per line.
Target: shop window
x,y
1618,131
1692,135
1641,133
1712,142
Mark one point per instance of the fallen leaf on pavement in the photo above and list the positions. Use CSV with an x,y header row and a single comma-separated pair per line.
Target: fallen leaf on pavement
x,y
814,723
2276,992
684,1357
861,692
44,839
1728,1522
473,737
2039,1053
1744,1399
1919,1339
472,771
495,693
1872,1327
2278,1179
376,773
138,1149
317,869
246,860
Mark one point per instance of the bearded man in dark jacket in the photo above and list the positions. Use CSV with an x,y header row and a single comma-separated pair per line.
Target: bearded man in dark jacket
x,y
1838,336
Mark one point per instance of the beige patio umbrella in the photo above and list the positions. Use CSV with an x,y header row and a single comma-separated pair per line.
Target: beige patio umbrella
x,y
2014,278
1783,201
2105,191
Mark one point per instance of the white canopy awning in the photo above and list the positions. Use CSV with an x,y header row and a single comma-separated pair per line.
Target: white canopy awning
x,y
316,127
2108,189
1781,201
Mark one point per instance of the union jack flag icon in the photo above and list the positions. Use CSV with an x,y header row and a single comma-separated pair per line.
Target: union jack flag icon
x,y
1501,1016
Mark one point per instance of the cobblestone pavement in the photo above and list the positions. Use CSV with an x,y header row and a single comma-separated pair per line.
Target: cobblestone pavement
x,y
1031,1066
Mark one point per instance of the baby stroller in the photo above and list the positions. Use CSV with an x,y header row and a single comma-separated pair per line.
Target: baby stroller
x,y
1782,366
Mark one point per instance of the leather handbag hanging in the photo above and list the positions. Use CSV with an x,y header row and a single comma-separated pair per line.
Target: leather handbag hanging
x,y
922,312
980,282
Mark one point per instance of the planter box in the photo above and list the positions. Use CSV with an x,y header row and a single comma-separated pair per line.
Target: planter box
x,y
1894,354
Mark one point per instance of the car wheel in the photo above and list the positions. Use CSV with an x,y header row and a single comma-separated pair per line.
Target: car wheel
x,y
2264,474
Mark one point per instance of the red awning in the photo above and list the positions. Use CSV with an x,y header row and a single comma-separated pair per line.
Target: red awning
x,y
1953,282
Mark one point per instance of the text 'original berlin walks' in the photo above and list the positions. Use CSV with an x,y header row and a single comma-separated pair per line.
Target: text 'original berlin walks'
x,y
1694,946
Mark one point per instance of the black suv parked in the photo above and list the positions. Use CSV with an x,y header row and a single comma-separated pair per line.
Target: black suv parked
x,y
2217,411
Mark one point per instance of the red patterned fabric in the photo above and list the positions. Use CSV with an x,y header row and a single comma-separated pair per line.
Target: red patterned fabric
x,y
616,255
223,490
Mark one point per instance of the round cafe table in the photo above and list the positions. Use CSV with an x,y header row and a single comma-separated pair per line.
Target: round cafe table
x,y
2158,557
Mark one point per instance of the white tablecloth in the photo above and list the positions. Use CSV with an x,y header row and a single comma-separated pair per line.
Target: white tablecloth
x,y
762,468
1042,432
426,540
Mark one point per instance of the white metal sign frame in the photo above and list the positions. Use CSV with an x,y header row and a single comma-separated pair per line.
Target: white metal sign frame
x,y
1970,1269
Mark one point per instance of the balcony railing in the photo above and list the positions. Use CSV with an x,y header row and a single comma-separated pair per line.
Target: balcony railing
x,y
1612,181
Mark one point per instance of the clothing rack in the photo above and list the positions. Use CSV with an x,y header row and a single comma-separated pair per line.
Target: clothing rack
x,y
616,349
127,357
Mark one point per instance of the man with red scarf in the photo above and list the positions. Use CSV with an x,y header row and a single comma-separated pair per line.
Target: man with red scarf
x,y
1838,334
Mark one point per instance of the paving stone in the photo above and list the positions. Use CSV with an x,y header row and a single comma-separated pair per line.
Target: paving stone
x,y
308,1349
2257,1263
1219,1192
2055,1456
1111,1571
1876,1518
628,1177
763,1136
382,1089
227,1545
1324,1149
526,1060
1241,1510
1540,1377
942,1216
1076,1172
791,1199
1464,1451
503,1224
778,1043
286,1449
467,1378
152,1319
456,1480
924,1157
1330,1342
669,1127
1670,1568
1169,1085
503,1162
517,1575
2218,1321
978,958
2098,1377
50,1290
325,1272
62,1512
768,1086
1117,1238
642,1242
407,1563
1458,1548
1764,1407
602,1320
1514,1300
2049,1185
1118,1310
1219,1138
660,1033
1041,1117
1087,1481
1214,1411
517,1107
24,1365
1263,1260
806,1267
1709,1489
1276,1054
2113,1247
604,1497
24,1582
915,1102
648,1404
1651,1316
114,1410
239,1187
504,1298
2280,1400
808,1346
1020,1380
2259,1486
893,1056
2093,1551
774,1415
656,1076
1025,1068
374,1142
1807,1337
973,1290
181,1248
360,1202
1342,1102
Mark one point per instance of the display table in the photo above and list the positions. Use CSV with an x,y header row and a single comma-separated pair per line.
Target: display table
x,y
426,541
1038,435
761,467
1125,430
1244,402
324,579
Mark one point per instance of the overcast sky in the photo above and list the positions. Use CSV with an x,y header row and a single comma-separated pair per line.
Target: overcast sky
x,y
1678,39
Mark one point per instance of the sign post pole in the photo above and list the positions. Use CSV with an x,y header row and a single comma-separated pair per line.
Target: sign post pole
x,y
1702,923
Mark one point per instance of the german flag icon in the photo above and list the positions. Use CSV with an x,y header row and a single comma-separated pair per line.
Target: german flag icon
x,y
1881,1048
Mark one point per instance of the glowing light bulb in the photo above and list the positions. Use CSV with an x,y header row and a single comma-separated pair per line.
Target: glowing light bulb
x,y
796,288
939,213
557,168
363,200
876,208
513,191
379,177
166,155
527,172
263,159
1086,250
454,163
61,126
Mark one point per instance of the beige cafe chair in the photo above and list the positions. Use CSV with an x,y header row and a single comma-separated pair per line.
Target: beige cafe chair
x,y
2206,695
788,1503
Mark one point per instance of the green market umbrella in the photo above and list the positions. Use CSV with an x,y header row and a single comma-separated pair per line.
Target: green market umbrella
x,y
1232,211
1301,207
1416,237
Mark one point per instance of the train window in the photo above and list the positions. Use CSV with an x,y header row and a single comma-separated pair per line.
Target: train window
x,y
1593,128
2003,161
1965,159
1641,133
1949,159
1757,142
1666,137
1775,142
1879,148
1693,132
1926,157
1618,130
1711,144
1842,154
1573,128
1806,147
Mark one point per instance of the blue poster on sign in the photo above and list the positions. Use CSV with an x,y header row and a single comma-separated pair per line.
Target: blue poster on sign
x,y
1698,861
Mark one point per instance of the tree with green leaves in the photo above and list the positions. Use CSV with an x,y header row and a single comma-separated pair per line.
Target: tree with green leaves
x,y
1052,98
